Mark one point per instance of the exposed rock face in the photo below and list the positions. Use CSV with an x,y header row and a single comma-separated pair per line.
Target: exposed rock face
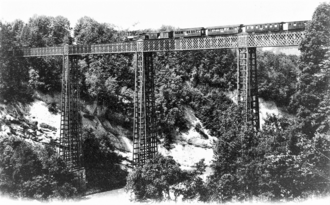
x,y
36,122
192,146
45,126
17,120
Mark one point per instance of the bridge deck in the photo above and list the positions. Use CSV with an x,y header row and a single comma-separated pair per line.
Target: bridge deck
x,y
281,39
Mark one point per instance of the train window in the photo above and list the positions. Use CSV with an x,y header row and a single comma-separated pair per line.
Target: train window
x,y
275,25
295,24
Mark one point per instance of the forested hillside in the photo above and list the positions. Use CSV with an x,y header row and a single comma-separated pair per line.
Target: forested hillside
x,y
288,159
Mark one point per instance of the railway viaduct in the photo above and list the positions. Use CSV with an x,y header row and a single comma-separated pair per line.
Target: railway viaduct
x,y
145,143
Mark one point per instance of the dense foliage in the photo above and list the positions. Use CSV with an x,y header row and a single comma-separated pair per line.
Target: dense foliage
x,y
311,100
31,171
288,159
14,74
102,164
162,177
277,77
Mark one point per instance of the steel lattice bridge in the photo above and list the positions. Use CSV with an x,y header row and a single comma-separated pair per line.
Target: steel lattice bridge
x,y
144,131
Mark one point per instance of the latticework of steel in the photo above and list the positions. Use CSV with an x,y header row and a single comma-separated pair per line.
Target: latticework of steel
x,y
144,133
201,43
144,139
70,133
247,85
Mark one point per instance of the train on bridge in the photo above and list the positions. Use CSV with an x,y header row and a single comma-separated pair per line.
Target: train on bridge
x,y
221,30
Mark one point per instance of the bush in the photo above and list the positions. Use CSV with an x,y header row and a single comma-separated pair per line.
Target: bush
x,y
33,171
154,179
161,176
102,164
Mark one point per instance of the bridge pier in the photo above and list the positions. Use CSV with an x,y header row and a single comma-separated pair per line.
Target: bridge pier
x,y
144,127
247,84
71,130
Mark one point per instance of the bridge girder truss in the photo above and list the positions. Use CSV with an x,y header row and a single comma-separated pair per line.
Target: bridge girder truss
x,y
202,43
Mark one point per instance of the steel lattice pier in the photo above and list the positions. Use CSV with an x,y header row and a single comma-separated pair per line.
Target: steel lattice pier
x,y
70,136
144,133
247,85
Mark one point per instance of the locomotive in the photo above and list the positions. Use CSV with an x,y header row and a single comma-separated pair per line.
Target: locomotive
x,y
223,30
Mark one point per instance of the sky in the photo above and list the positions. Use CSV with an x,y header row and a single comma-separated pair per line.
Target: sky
x,y
143,14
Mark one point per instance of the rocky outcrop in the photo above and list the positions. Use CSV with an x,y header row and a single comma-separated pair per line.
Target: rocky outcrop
x,y
38,123
16,120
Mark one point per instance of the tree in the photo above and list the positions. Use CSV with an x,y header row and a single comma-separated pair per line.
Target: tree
x,y
102,164
154,178
13,69
89,31
191,78
277,77
311,99
46,31
33,171
159,176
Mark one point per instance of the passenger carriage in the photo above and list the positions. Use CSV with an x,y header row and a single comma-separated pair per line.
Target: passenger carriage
x,y
264,28
223,30
189,32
